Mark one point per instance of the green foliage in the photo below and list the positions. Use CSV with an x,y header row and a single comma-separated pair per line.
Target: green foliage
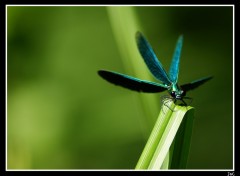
x,y
169,143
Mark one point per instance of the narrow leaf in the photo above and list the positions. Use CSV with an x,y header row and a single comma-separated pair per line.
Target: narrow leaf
x,y
155,136
182,142
168,137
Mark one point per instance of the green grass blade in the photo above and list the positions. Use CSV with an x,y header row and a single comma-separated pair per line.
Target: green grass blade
x,y
168,137
125,24
155,136
161,146
166,162
182,142
168,159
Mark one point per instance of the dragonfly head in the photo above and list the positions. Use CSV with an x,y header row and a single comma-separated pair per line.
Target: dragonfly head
x,y
177,93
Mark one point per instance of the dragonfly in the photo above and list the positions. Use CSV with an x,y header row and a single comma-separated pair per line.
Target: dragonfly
x,y
169,81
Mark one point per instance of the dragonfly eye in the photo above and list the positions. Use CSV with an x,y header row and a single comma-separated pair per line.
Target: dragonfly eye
x,y
173,94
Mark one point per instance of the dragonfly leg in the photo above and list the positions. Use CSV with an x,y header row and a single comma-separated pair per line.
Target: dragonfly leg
x,y
174,100
184,103
164,97
165,100
189,98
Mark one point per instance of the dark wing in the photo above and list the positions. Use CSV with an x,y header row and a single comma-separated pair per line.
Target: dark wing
x,y
131,82
174,68
195,84
151,60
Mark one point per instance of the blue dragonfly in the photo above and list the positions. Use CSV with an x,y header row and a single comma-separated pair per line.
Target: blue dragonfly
x,y
168,81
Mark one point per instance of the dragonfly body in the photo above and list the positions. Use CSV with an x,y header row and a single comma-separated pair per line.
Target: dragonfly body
x,y
168,81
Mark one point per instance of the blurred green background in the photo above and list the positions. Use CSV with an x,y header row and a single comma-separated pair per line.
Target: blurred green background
x,y
62,115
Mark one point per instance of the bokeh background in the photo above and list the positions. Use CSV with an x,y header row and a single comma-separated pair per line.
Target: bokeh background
x,y
62,115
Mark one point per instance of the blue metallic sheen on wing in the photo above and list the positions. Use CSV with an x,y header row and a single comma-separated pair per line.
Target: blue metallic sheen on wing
x,y
131,82
174,68
151,60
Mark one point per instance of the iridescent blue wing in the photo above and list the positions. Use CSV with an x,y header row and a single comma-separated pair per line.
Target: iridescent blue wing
x,y
131,82
195,84
174,68
151,60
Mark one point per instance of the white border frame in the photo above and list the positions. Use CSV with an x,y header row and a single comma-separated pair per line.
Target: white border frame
x,y
180,170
